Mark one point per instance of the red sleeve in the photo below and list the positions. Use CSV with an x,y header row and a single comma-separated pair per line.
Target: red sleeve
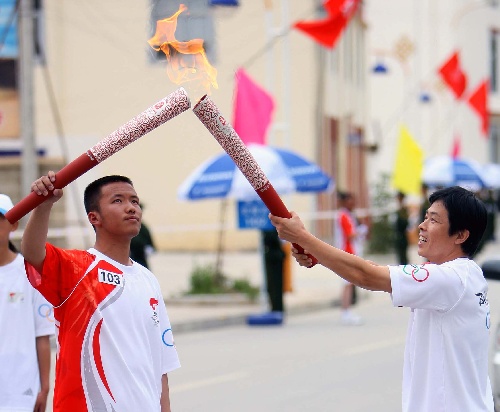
x,y
62,270
346,225
348,230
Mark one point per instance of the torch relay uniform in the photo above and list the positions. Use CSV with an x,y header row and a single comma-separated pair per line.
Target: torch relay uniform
x,y
24,316
446,354
114,339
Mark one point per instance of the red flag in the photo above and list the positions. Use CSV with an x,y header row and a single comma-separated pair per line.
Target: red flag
x,y
457,147
453,75
479,102
253,108
328,30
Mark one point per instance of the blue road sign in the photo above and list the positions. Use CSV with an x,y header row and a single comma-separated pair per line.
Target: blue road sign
x,y
253,215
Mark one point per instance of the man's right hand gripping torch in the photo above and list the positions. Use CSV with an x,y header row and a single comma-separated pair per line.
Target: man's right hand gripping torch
x,y
209,115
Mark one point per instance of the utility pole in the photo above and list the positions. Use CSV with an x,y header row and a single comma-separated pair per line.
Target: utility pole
x,y
29,163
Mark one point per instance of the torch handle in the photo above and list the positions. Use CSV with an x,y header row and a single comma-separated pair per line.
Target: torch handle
x,y
212,119
276,206
167,108
66,175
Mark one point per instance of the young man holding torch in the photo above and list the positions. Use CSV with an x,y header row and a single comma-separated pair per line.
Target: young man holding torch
x,y
446,355
115,343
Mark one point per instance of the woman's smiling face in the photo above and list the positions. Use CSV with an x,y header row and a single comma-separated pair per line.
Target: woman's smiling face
x,y
434,242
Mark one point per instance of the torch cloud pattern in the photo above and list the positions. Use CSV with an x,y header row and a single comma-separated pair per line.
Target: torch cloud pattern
x,y
164,110
210,116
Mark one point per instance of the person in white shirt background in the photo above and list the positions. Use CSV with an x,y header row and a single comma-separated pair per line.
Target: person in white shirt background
x,y
446,354
27,323
350,236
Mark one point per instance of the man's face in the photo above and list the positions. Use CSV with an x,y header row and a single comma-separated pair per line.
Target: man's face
x,y
434,243
349,203
120,212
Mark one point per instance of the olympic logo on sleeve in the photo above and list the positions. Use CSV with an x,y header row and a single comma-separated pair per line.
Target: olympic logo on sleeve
x,y
418,273
46,311
167,337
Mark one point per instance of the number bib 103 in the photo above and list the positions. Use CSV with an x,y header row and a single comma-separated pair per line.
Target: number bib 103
x,y
110,278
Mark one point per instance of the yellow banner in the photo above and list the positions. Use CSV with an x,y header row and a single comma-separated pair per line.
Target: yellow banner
x,y
409,163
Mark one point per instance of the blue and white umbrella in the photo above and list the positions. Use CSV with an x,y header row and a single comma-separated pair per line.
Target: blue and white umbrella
x,y
448,171
287,171
492,175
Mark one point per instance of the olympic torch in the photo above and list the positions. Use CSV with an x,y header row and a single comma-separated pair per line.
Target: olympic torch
x,y
162,111
212,119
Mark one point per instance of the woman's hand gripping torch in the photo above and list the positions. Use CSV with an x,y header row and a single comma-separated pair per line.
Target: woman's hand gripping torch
x,y
209,115
164,110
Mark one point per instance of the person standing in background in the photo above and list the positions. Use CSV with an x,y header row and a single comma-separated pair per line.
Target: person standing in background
x,y
425,202
27,324
401,226
142,245
273,262
348,234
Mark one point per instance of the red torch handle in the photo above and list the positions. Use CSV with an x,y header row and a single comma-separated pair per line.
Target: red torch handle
x,y
212,119
167,108
276,206
66,175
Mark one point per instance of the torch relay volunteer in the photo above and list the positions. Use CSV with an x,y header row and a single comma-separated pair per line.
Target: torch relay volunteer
x,y
446,354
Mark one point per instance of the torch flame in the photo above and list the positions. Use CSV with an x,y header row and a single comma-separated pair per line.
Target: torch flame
x,y
187,60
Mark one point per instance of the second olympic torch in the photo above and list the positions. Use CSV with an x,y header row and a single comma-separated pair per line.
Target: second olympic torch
x,y
164,110
209,115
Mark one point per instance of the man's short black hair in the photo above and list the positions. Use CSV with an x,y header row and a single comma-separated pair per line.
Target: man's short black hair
x,y
465,212
92,192
344,195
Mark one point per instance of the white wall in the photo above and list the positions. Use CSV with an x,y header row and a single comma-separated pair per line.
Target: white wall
x,y
97,55
435,29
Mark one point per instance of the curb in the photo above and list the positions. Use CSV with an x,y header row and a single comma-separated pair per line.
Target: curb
x,y
241,319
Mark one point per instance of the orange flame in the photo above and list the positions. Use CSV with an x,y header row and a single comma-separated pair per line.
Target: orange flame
x,y
187,60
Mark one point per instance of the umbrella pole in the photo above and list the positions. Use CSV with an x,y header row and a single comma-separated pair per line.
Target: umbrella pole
x,y
220,241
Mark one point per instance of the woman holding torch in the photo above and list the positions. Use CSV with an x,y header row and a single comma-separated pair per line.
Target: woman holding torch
x,y
446,354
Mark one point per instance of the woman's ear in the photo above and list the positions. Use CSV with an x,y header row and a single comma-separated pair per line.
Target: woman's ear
x,y
462,236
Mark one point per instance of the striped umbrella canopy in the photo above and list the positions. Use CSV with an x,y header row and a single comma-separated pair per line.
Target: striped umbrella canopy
x,y
287,171
448,171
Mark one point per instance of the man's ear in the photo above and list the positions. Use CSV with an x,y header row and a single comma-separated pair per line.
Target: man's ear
x,y
93,218
462,236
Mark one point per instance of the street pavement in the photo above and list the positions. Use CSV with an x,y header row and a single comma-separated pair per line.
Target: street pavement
x,y
313,288
316,288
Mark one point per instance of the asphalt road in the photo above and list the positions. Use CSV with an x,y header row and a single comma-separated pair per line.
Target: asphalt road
x,y
310,364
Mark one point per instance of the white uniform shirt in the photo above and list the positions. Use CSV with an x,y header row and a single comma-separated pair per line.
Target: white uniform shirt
x,y
24,315
446,354
113,332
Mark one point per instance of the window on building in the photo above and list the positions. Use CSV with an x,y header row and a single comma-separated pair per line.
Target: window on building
x,y
9,40
194,23
494,60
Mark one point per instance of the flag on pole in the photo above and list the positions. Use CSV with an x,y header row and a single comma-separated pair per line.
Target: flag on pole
x,y
457,147
453,75
479,102
407,174
253,109
328,30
